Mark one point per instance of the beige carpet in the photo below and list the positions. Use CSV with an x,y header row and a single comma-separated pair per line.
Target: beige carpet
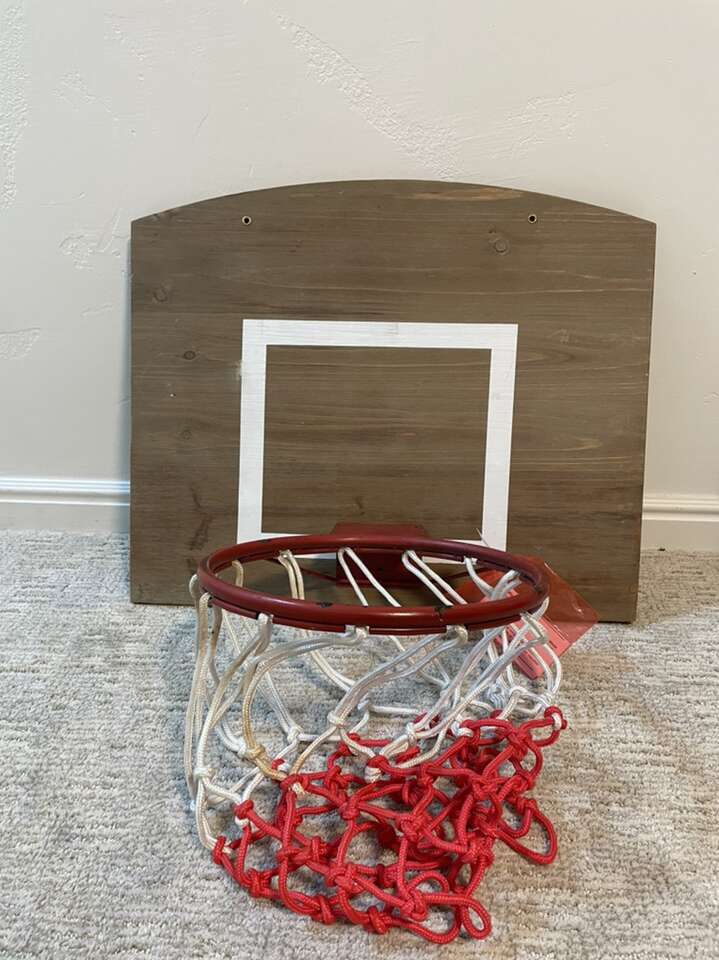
x,y
99,857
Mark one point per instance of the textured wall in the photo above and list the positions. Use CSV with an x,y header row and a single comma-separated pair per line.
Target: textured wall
x,y
112,110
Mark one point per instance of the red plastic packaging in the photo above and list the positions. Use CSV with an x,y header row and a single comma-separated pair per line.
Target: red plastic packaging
x,y
567,619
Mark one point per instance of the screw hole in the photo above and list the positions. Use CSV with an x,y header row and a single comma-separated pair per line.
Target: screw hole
x,y
247,221
532,218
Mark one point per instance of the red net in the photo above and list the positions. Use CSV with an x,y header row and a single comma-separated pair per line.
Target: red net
x,y
435,823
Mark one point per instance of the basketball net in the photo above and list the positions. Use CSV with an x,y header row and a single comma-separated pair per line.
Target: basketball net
x,y
383,807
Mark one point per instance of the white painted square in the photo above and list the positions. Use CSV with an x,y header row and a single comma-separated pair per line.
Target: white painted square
x,y
499,338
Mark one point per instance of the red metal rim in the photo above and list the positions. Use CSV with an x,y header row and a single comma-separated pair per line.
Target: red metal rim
x,y
335,617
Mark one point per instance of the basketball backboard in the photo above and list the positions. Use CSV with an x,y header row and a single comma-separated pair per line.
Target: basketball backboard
x,y
464,357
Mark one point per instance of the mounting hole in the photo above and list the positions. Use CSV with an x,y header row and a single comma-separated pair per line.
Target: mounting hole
x,y
532,218
247,220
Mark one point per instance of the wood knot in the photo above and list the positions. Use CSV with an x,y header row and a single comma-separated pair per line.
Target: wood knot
x,y
499,243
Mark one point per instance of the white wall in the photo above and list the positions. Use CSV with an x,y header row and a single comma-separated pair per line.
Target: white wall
x,y
114,109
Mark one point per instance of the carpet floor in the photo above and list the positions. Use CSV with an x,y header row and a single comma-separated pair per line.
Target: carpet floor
x,y
98,855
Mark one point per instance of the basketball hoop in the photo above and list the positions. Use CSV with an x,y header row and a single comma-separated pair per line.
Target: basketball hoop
x,y
382,806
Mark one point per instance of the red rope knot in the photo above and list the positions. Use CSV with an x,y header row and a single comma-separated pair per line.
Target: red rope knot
x,y
415,907
342,750
522,803
294,857
344,876
489,826
348,810
293,780
481,790
314,851
385,876
301,856
379,763
377,922
242,809
424,780
253,881
478,848
326,915
412,825
288,856
518,740
335,780
524,780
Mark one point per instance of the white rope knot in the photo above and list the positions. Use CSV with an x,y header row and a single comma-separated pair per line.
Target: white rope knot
x,y
459,731
203,773
294,732
411,734
462,634
336,721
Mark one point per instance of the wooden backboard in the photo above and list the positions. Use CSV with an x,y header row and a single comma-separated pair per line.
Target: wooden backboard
x,y
465,357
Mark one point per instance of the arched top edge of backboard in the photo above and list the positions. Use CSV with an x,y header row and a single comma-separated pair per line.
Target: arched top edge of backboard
x,y
431,191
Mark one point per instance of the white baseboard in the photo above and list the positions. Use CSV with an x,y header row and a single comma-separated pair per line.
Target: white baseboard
x,y
79,506
681,523
43,503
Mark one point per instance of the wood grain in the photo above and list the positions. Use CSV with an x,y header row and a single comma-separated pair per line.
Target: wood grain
x,y
578,282
381,435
